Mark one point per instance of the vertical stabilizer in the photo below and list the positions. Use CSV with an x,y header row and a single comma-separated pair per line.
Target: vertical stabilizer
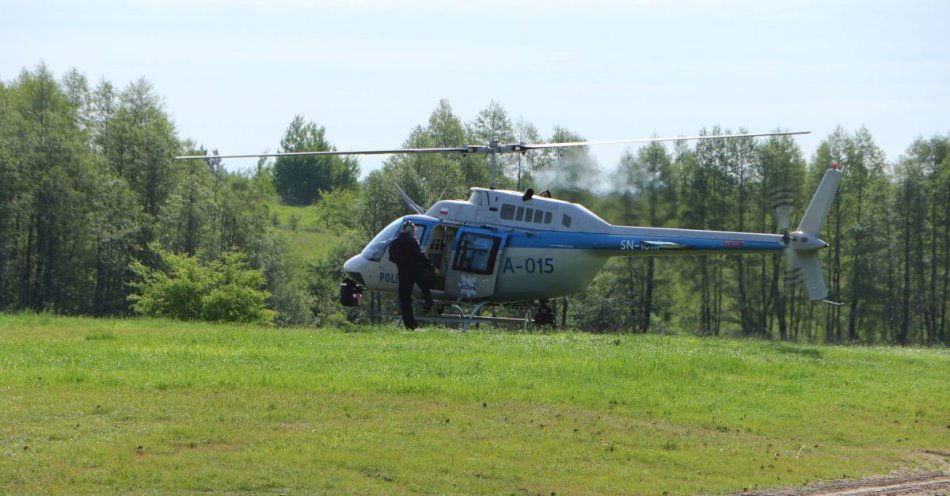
x,y
802,245
821,203
809,269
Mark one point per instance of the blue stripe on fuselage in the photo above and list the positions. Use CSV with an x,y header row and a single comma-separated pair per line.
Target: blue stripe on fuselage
x,y
615,242
622,242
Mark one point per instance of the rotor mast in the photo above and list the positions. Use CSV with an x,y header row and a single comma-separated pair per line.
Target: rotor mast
x,y
493,146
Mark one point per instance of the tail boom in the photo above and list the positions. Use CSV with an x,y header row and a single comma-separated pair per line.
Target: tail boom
x,y
646,241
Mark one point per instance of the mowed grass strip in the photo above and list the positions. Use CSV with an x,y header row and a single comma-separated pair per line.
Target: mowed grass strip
x,y
151,406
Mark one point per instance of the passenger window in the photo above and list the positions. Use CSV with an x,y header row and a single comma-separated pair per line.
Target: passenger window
x,y
527,214
507,211
476,253
566,220
547,217
538,216
520,214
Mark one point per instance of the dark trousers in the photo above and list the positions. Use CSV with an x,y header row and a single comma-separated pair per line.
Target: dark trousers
x,y
425,279
408,279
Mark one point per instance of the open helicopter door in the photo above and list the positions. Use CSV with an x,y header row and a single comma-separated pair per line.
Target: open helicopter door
x,y
474,264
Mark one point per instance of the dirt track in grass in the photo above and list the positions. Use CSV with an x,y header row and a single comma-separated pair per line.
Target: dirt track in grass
x,y
935,483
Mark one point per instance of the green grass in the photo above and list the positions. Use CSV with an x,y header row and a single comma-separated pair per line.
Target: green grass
x,y
151,406
310,246
309,215
311,241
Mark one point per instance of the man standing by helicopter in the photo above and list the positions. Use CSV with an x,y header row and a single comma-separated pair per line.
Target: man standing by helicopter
x,y
411,264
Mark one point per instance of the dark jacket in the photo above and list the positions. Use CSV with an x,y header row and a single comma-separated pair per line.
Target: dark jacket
x,y
406,253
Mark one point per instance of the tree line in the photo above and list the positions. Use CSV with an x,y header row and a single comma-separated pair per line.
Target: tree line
x,y
90,199
88,189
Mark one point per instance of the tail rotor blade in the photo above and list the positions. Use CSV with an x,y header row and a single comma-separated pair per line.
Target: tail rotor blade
x,y
781,197
793,274
781,217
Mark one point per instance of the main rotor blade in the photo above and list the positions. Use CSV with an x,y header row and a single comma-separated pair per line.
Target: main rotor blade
x,y
459,149
538,146
492,148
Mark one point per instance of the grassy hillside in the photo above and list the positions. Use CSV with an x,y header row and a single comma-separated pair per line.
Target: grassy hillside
x,y
311,240
147,406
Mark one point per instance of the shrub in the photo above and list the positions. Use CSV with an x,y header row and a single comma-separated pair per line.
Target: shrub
x,y
222,290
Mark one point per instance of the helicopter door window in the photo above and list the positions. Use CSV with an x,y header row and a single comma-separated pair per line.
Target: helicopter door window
x,y
476,253
507,211
538,216
547,217
519,214
566,220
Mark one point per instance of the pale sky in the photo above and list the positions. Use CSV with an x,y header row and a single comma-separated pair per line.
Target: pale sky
x,y
234,73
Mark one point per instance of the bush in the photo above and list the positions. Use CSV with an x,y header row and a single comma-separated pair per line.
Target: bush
x,y
222,290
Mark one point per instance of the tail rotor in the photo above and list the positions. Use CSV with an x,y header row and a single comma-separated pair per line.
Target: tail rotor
x,y
781,197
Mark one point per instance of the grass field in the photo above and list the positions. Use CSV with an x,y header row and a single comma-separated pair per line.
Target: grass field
x,y
157,407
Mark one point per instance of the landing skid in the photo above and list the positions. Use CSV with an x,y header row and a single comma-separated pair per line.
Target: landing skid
x,y
455,315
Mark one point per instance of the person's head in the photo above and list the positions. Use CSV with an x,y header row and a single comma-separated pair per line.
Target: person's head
x,y
408,227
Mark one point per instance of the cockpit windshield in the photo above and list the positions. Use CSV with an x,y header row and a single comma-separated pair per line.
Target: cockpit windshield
x,y
377,246
375,249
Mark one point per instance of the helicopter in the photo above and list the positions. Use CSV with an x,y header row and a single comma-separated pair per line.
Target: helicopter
x,y
503,247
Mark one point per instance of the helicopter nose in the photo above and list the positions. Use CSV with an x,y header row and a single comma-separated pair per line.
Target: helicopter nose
x,y
353,268
352,265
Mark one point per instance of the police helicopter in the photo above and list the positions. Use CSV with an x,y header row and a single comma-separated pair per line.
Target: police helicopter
x,y
502,247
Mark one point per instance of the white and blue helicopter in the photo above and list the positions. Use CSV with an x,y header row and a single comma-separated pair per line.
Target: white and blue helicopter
x,y
509,247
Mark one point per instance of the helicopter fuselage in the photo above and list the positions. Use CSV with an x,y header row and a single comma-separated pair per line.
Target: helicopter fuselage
x,y
500,246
